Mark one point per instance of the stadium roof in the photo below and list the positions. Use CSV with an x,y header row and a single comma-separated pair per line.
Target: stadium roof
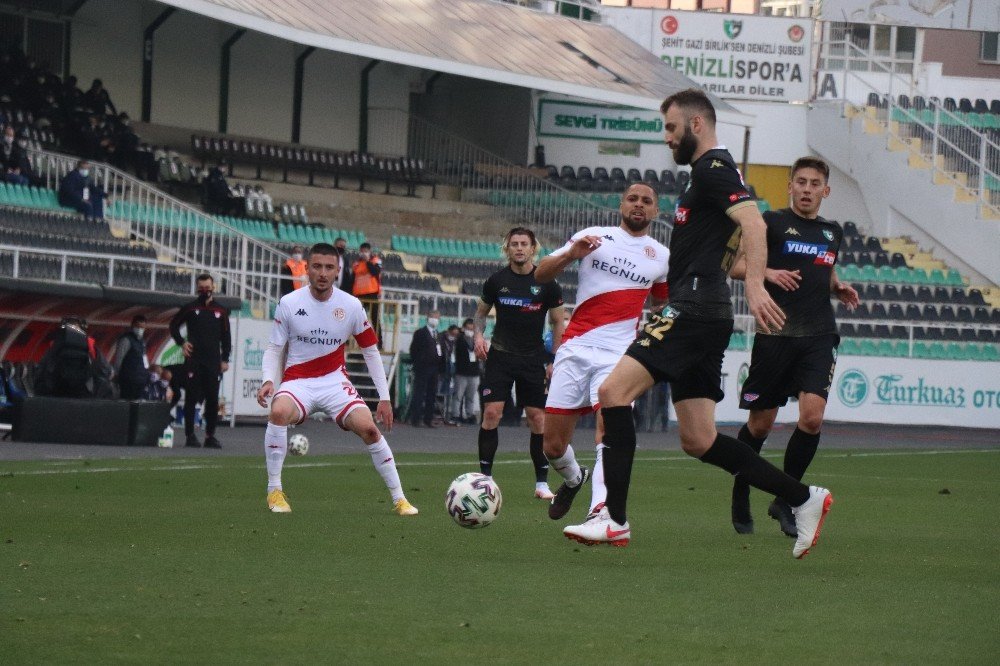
x,y
473,38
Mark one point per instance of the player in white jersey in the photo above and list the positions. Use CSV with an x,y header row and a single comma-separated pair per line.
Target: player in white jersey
x,y
305,355
619,268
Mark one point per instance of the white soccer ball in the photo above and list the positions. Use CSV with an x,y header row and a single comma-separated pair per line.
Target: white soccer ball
x,y
473,500
298,444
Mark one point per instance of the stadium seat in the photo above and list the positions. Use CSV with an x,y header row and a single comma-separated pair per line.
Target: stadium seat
x,y
868,348
848,347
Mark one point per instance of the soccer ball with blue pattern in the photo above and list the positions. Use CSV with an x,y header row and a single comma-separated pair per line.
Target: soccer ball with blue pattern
x,y
298,444
473,500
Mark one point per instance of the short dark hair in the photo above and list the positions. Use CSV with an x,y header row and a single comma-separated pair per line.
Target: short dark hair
x,y
323,248
138,319
338,239
205,276
691,100
467,322
811,163
453,327
365,246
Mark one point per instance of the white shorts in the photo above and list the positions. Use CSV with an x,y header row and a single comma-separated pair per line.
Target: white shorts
x,y
332,394
577,373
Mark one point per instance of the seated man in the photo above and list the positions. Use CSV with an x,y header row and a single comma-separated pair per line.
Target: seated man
x,y
13,160
80,193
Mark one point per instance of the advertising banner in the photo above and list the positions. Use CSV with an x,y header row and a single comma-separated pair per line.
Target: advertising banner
x,y
241,382
870,389
574,120
735,56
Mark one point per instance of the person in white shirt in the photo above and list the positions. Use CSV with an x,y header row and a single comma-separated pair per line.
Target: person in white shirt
x,y
305,355
620,267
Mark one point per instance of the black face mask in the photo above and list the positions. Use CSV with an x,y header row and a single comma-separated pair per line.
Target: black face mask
x,y
339,250
203,296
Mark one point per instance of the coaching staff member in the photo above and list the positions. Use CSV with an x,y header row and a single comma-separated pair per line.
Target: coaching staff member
x,y
206,350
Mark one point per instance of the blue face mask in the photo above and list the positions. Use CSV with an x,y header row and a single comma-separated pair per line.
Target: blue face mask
x,y
84,172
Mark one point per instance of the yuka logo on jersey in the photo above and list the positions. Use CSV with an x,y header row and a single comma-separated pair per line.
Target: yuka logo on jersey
x,y
526,304
823,256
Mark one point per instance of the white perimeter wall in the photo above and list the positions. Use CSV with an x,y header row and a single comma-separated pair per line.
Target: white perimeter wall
x,y
107,44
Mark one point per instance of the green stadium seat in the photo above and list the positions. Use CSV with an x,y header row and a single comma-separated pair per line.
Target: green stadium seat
x,y
991,352
887,274
738,340
954,278
937,351
869,274
955,352
848,347
936,277
901,348
849,273
919,276
884,348
868,347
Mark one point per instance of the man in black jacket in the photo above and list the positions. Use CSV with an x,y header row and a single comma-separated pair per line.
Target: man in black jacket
x,y
345,278
467,372
428,358
131,365
206,350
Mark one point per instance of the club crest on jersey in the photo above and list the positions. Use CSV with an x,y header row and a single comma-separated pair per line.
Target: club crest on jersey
x,y
535,291
681,215
339,314
827,234
792,231
649,251
750,397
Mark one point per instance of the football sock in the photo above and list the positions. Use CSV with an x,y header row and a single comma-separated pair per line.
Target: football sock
x,y
741,489
488,442
619,450
275,448
799,453
538,458
386,467
568,467
738,458
598,491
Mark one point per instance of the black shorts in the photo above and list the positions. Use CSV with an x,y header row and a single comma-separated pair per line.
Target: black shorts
x,y
782,367
504,370
686,352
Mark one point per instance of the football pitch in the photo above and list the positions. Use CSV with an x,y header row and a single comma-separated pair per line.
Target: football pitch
x,y
177,561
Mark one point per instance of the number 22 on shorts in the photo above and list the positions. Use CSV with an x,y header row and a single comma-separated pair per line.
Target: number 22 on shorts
x,y
661,323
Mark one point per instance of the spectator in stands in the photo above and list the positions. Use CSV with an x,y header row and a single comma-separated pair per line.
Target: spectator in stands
x,y
98,100
427,356
467,373
218,197
13,159
73,367
10,397
367,285
448,340
206,350
126,143
131,364
78,191
295,270
345,279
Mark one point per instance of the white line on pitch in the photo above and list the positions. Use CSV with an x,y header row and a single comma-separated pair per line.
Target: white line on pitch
x,y
430,463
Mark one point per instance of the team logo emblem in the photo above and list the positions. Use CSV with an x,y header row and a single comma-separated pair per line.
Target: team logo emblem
x,y
535,291
339,314
504,290
681,215
668,25
486,392
827,234
750,397
649,251
732,28
852,389
792,231
716,164
796,33
218,314
643,342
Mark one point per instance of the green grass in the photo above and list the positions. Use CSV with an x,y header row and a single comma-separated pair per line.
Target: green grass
x,y
148,564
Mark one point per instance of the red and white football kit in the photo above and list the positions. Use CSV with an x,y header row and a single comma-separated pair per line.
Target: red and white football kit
x,y
614,282
316,333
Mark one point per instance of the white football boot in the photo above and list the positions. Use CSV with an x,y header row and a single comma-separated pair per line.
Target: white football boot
x,y
598,529
809,520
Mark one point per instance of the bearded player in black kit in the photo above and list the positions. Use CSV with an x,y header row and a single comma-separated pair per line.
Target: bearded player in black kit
x,y
516,356
799,358
685,344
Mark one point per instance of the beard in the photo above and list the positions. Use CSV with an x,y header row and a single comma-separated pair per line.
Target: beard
x,y
636,225
685,147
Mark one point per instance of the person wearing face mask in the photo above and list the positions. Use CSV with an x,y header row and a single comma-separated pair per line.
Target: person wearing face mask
x,y
448,340
345,276
206,352
13,159
467,372
130,362
295,269
427,356
367,285
80,193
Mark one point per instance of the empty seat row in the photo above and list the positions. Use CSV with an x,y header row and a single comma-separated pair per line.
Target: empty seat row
x,y
919,103
899,332
446,247
900,275
914,312
919,294
945,351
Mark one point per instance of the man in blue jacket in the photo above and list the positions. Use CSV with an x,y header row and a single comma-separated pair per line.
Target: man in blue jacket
x,y
77,191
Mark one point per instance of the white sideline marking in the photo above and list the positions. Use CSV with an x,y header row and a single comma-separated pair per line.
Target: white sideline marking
x,y
427,463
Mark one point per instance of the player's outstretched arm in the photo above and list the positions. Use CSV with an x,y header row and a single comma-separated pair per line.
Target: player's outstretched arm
x,y
552,265
769,316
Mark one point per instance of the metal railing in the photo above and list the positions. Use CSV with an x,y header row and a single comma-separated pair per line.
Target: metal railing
x,y
245,268
962,154
512,194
